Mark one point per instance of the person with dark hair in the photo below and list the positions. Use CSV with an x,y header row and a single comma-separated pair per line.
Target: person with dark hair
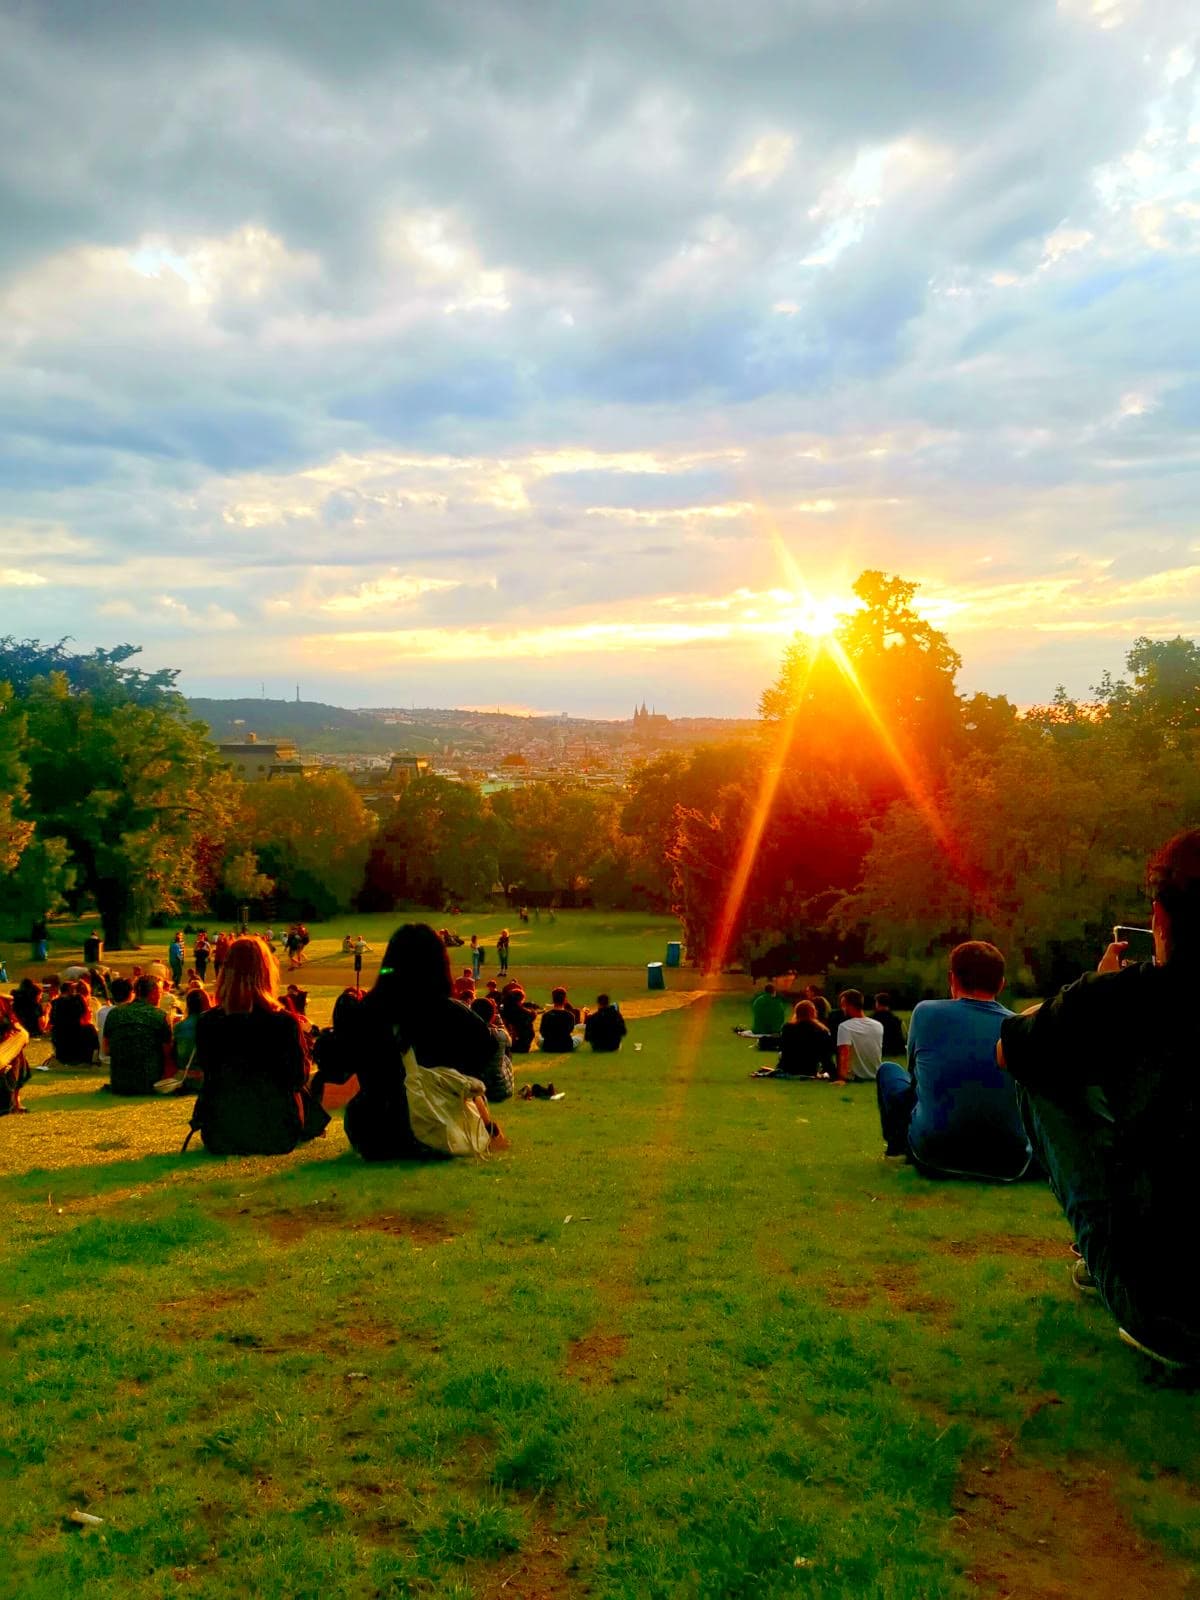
x,y
555,1029
411,1007
497,1076
859,1040
502,944
29,1008
121,991
604,1028
332,1047
954,1114
252,1063
820,1004
138,1039
76,1042
1112,1108
195,1003
806,1047
519,1016
894,1042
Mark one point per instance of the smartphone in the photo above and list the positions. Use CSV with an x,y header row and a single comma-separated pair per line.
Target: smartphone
x,y
1139,943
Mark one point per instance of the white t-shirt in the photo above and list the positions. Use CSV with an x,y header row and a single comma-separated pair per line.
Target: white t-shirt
x,y
865,1038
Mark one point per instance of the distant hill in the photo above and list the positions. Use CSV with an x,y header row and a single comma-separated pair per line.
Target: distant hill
x,y
312,725
334,730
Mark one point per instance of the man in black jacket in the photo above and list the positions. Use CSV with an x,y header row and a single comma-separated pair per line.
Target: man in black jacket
x,y
1110,1093
605,1027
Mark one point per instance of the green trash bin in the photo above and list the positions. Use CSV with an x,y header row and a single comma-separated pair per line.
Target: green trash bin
x,y
655,977
674,953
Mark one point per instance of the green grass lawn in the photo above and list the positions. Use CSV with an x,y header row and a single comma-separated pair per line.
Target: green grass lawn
x,y
596,939
691,1336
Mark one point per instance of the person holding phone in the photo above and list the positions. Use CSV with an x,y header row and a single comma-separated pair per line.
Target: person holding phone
x,y
1112,1108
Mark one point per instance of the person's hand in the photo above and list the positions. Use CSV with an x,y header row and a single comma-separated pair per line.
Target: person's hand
x,y
1112,958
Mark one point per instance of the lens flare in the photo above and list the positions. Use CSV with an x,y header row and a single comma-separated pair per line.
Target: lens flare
x,y
818,620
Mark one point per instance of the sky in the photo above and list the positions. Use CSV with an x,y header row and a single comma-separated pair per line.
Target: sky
x,y
557,356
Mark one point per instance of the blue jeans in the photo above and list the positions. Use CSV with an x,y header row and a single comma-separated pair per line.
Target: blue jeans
x,y
896,1096
1073,1136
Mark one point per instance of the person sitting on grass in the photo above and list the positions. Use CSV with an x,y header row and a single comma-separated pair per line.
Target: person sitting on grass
x,y
806,1047
556,1024
519,1016
196,1002
332,1047
410,1007
29,1008
138,1037
604,1028
252,1063
894,1042
497,1076
1110,1096
122,993
768,1013
859,1041
76,1042
14,1069
954,1114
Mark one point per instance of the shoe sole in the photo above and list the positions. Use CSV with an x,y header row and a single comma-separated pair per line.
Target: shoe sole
x,y
1168,1363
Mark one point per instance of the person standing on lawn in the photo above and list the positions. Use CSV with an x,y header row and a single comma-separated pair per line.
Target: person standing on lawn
x,y
1108,1087
175,958
502,952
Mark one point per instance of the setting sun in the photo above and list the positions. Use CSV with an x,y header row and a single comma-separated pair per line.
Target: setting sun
x,y
818,615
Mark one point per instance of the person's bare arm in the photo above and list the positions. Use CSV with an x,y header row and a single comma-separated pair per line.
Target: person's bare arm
x,y
843,1058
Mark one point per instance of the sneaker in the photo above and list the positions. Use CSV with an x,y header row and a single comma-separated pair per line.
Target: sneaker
x,y
1167,1362
1082,1278
168,1085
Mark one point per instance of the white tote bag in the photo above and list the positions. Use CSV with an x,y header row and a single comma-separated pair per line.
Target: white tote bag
x,y
441,1111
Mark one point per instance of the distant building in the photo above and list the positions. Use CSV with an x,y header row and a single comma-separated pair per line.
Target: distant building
x,y
647,724
380,788
255,760
402,770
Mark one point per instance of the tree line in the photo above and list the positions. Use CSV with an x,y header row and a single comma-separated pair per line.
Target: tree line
x,y
878,814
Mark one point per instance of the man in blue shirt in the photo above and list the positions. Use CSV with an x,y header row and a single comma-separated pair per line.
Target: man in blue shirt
x,y
954,1113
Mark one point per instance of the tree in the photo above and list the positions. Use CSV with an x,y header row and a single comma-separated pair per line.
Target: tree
x,y
879,697
310,834
438,841
553,836
242,880
16,832
119,771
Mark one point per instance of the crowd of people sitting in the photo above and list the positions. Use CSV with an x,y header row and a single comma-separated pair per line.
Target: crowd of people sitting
x,y
258,1067
1094,1091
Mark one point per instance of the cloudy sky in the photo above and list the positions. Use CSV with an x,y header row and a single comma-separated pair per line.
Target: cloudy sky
x,y
554,355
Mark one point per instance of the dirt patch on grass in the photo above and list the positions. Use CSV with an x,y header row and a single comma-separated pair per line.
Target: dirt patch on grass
x,y
1023,1530
590,1360
1001,1244
896,1282
197,1305
286,1224
541,1570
